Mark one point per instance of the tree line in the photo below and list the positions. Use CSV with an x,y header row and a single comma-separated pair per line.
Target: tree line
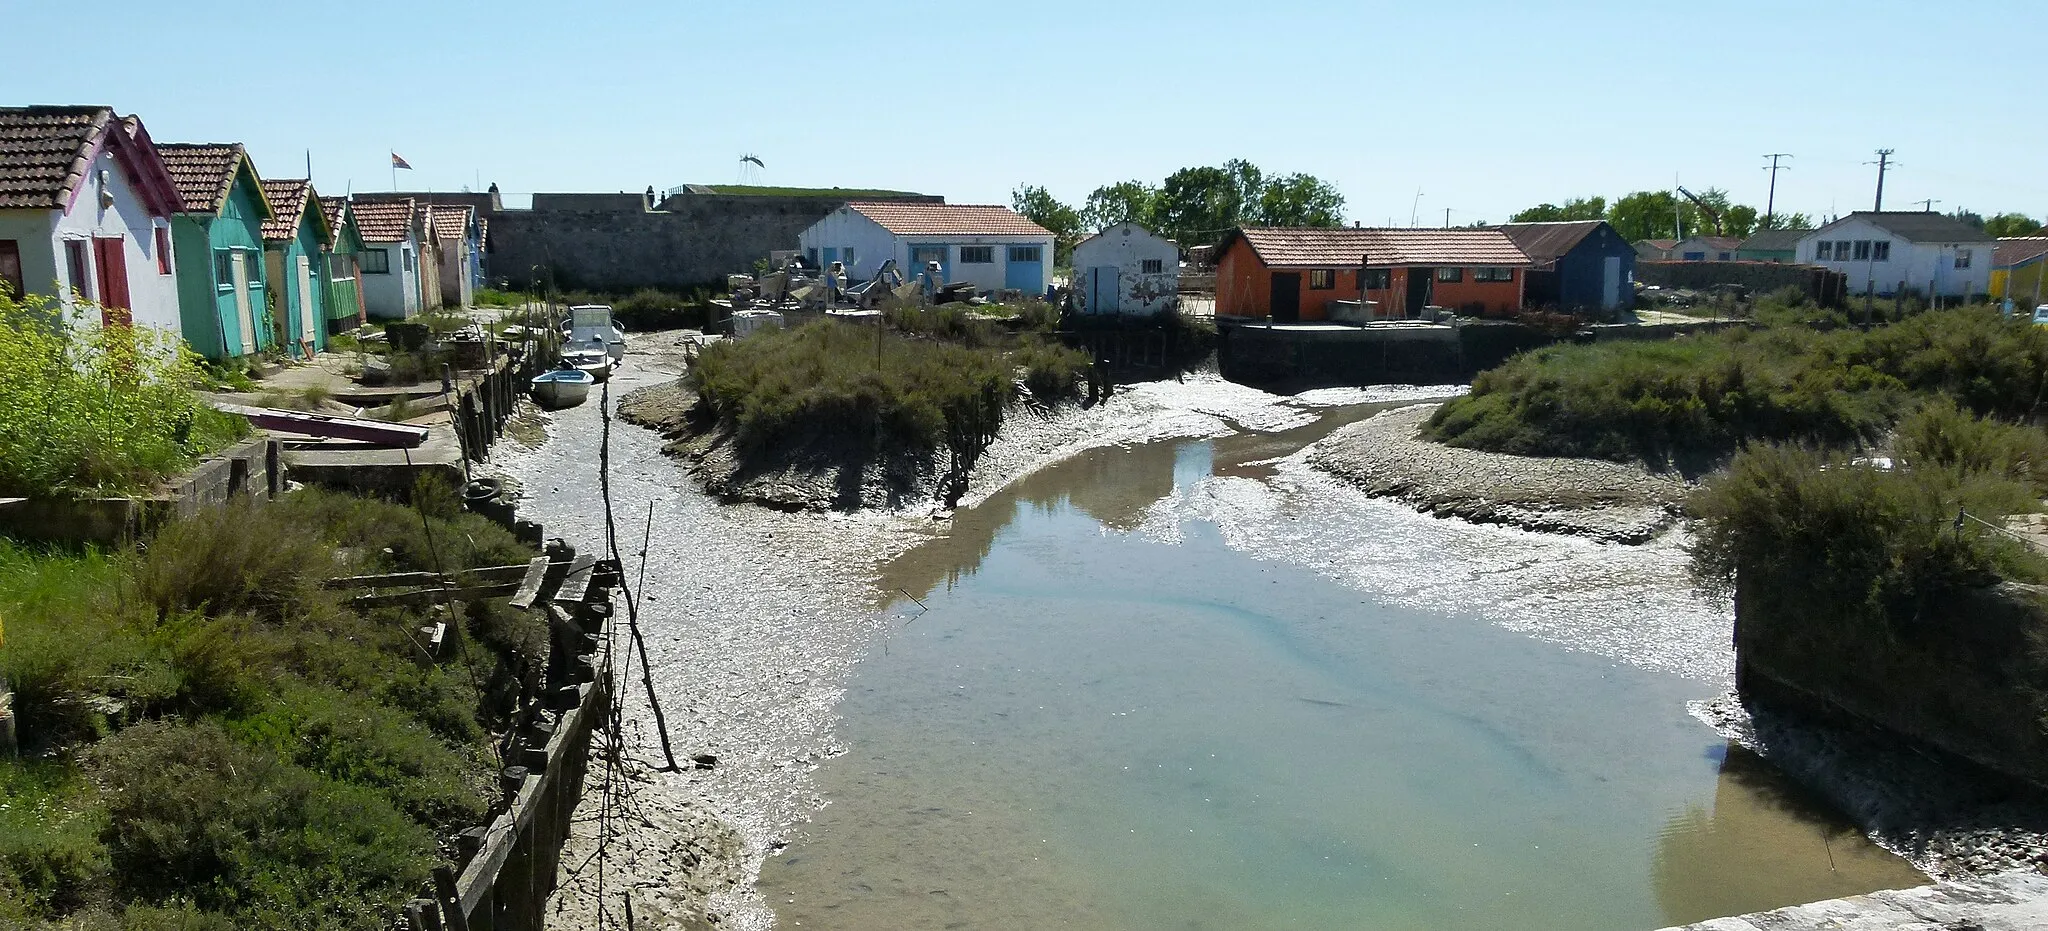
x,y
1192,206
1668,215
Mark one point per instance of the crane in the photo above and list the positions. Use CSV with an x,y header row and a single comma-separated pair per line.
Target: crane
x,y
1712,214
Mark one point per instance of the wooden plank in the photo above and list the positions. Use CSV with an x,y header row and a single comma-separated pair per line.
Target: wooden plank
x,y
529,586
485,574
436,595
577,585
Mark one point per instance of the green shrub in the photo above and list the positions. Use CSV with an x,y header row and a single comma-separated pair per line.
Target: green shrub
x,y
50,851
492,297
1941,435
354,740
192,813
1052,372
92,408
238,558
69,634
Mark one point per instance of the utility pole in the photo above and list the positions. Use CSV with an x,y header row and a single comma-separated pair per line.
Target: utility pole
x,y
1447,218
1884,161
1771,199
1927,205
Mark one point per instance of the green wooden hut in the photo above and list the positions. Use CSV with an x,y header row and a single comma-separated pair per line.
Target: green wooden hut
x,y
223,293
295,256
344,265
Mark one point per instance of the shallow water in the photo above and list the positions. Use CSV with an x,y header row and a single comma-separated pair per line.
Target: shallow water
x,y
1187,685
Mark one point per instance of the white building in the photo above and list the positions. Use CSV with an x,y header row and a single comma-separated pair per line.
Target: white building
x,y
991,247
390,260
1891,251
85,211
1127,270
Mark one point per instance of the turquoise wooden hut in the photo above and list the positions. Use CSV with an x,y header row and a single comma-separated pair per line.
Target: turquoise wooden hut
x,y
295,257
223,292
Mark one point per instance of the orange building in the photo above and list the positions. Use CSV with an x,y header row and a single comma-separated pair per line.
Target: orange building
x,y
1293,274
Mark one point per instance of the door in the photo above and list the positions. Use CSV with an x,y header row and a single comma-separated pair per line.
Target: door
x,y
245,314
921,253
111,260
1286,306
1419,283
1103,285
1610,283
306,316
1024,269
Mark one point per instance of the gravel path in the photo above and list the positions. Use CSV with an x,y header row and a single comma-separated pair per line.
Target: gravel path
x,y
1602,500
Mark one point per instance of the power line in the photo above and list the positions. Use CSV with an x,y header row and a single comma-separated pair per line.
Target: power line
x,y
1884,161
1771,199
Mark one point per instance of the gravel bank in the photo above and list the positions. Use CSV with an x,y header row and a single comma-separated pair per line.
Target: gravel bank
x,y
1603,500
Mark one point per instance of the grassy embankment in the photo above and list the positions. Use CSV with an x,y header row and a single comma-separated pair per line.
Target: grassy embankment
x,y
1851,572
212,740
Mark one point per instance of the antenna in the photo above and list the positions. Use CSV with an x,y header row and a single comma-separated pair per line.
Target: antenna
x,y
750,168
1926,204
1415,209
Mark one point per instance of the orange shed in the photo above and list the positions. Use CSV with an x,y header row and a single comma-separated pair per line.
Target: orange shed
x,y
1293,274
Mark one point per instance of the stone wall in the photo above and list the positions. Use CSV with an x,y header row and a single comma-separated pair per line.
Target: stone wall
x,y
612,242
1288,359
1825,287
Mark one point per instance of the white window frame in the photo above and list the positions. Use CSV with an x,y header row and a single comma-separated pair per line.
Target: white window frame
x,y
987,253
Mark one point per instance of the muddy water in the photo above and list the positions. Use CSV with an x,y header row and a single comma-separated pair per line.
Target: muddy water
x,y
1183,685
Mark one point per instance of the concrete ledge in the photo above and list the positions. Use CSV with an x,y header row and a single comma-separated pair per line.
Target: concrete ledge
x,y
2016,901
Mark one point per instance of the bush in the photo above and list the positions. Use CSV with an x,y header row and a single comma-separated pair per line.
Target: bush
x,y
1052,372
492,297
50,852
1940,435
239,558
91,408
69,633
354,740
194,814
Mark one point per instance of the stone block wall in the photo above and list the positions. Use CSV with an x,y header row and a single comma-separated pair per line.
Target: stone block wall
x,y
1825,287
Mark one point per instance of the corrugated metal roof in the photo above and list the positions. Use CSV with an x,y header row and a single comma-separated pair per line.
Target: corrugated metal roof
x,y
1343,246
384,221
907,219
45,152
1547,242
2014,250
1919,226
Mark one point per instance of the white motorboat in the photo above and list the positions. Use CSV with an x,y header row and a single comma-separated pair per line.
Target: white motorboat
x,y
594,362
592,325
565,387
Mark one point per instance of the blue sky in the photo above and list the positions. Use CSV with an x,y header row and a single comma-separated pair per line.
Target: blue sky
x,y
1482,107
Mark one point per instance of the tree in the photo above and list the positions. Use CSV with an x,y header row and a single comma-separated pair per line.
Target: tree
x,y
1786,221
1577,208
1196,205
1971,217
2011,224
1040,207
1122,202
1651,215
1300,200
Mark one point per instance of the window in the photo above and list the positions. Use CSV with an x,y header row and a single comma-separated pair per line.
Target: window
x,y
811,256
223,269
847,257
10,267
1824,251
163,250
1026,254
1153,266
1378,279
977,255
1963,257
1725,256
79,267
1881,250
1321,279
920,256
1841,250
1862,250
1694,256
1493,273
376,262
1450,274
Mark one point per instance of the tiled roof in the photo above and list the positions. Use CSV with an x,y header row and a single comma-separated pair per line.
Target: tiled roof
x,y
1659,244
1547,242
906,219
203,172
331,208
1774,240
2017,249
1920,226
45,152
288,202
383,221
450,221
1343,246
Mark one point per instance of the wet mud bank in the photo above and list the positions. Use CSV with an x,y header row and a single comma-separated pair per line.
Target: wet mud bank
x,y
1605,501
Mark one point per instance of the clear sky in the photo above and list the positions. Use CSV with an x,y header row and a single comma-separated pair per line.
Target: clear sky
x,y
1483,107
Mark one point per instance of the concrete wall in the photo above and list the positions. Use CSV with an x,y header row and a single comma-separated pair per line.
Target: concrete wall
x,y
1928,268
1127,248
611,242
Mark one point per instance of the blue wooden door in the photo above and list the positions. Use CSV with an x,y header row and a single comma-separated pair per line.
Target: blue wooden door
x,y
1103,290
922,252
1025,270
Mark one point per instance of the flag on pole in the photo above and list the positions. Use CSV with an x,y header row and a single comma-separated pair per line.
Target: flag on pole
x,y
397,162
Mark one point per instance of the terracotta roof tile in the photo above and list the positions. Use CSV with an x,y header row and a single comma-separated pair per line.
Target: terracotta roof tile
x,y
384,221
287,198
450,221
2016,249
904,219
203,172
45,152
1341,247
332,208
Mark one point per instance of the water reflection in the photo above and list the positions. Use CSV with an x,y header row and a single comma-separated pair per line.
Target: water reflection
x,y
1764,842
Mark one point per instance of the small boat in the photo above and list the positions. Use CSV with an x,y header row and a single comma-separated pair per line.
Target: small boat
x,y
592,324
565,387
594,362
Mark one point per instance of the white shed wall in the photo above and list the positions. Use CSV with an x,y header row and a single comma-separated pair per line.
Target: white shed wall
x,y
1925,267
393,296
1127,247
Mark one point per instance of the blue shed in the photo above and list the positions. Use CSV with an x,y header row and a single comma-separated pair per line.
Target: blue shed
x,y
1576,265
